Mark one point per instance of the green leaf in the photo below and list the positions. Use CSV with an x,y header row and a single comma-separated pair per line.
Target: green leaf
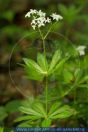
x,y
63,112
55,59
59,65
40,109
78,75
46,123
1,129
23,118
13,106
25,124
42,61
3,113
54,107
33,70
33,74
84,79
83,85
63,115
33,64
67,76
30,111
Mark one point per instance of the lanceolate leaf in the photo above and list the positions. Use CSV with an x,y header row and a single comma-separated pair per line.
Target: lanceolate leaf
x,y
33,64
84,79
68,76
54,107
42,61
63,112
55,60
59,65
33,74
46,123
27,117
40,109
33,70
30,111
63,115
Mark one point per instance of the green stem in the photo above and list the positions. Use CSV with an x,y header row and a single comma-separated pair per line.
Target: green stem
x,y
46,93
48,32
41,33
44,48
46,79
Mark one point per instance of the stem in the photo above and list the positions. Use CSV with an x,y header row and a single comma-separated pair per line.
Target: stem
x,y
46,93
44,48
46,78
41,33
48,32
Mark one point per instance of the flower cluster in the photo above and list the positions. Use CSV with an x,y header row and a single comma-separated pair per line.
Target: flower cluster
x,y
40,19
81,50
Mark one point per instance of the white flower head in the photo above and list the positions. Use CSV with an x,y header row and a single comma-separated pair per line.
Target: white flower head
x,y
39,18
81,50
56,17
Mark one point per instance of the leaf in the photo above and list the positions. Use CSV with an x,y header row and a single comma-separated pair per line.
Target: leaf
x,y
42,61
78,75
84,79
33,71
13,106
63,112
83,85
63,115
33,74
46,123
33,64
55,59
30,111
67,76
3,113
59,65
54,107
28,117
1,129
25,125
39,108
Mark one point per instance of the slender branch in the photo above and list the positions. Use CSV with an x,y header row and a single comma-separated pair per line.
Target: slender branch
x,y
41,33
48,32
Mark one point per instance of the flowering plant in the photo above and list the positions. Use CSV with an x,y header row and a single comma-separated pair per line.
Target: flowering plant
x,y
40,111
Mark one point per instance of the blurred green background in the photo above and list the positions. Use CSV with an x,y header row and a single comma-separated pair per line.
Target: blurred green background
x,y
14,45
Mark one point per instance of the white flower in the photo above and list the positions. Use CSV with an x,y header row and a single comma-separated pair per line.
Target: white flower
x,y
81,50
28,14
33,26
41,14
48,20
34,22
41,21
31,12
56,17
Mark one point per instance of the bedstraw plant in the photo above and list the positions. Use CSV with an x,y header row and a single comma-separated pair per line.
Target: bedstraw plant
x,y
40,112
